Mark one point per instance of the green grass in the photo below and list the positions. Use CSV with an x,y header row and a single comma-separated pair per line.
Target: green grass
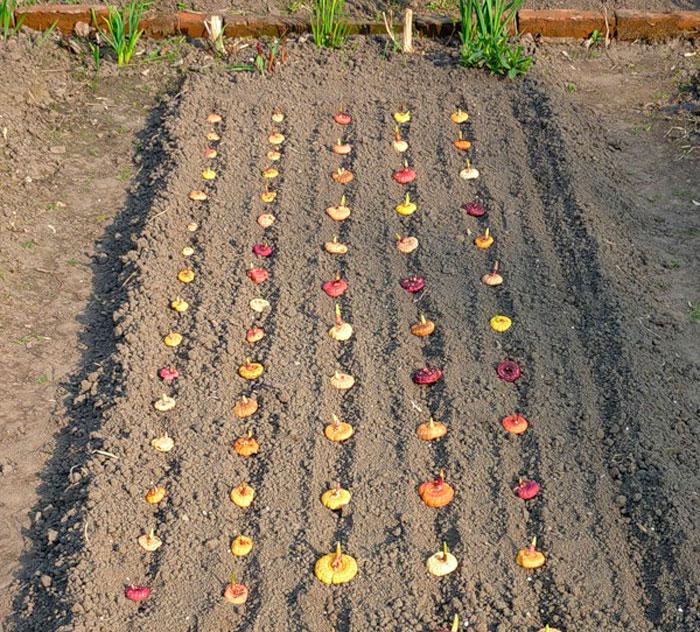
x,y
8,26
266,59
44,37
485,37
329,25
442,7
169,51
25,340
639,129
95,52
124,174
694,312
295,6
121,31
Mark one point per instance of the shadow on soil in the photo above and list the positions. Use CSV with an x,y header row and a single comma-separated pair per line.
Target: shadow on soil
x,y
58,524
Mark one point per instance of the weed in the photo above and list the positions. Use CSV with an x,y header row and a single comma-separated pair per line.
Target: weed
x,y
124,174
295,6
8,25
674,265
485,37
570,87
595,39
29,245
73,263
638,129
29,338
392,43
443,7
122,33
693,312
328,23
680,193
95,50
42,379
215,32
44,37
169,51
264,61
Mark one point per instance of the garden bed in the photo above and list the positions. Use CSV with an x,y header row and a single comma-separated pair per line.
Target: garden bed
x,y
610,519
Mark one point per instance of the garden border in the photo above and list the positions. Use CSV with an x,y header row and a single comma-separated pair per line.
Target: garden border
x,y
622,24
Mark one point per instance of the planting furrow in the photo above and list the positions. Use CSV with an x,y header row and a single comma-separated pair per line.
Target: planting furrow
x,y
181,359
609,373
197,550
438,399
545,438
594,523
340,467
379,488
129,422
519,458
307,450
539,518
475,463
269,392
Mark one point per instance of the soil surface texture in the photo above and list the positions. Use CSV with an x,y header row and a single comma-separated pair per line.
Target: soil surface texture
x,y
609,369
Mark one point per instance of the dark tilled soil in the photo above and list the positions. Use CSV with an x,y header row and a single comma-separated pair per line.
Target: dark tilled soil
x,y
612,436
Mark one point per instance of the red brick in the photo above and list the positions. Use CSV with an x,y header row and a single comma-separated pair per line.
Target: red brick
x,y
159,26
563,23
626,25
191,23
41,17
634,25
237,26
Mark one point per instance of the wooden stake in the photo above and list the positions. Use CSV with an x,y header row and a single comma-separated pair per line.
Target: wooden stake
x,y
408,31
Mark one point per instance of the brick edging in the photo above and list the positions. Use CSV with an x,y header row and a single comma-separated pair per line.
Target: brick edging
x,y
562,23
